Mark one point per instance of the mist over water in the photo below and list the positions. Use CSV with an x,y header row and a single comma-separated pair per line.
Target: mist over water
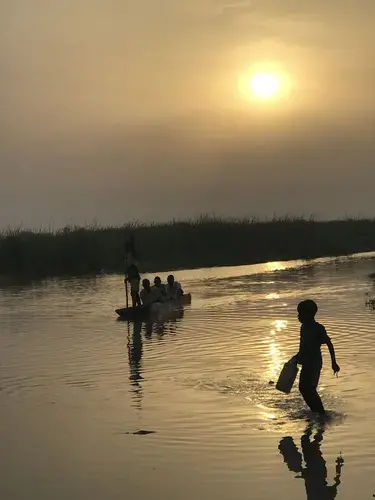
x,y
98,408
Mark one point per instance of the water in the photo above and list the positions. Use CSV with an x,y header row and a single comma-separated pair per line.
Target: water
x,y
77,386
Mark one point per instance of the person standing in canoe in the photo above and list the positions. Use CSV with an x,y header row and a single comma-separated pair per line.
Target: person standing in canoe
x,y
174,289
133,277
313,336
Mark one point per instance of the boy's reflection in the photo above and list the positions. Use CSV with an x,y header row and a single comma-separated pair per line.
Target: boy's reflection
x,y
314,472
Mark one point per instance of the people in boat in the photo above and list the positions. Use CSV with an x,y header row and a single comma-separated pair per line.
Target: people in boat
x,y
133,277
158,285
149,294
174,289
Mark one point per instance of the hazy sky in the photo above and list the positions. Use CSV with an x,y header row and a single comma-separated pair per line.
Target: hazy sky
x,y
114,110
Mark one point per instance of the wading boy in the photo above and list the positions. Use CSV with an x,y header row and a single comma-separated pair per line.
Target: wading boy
x,y
313,335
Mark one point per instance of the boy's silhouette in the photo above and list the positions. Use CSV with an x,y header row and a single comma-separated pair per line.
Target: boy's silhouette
x,y
313,336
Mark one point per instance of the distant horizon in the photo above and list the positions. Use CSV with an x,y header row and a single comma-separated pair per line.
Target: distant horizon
x,y
96,224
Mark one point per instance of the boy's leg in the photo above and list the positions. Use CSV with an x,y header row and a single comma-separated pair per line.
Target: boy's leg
x,y
308,383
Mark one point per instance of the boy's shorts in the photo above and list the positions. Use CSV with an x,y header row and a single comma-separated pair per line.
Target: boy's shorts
x,y
310,374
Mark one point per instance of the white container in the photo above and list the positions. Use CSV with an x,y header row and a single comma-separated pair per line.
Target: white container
x,y
287,376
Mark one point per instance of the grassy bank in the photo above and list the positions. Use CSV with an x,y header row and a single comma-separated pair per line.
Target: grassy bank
x,y
203,242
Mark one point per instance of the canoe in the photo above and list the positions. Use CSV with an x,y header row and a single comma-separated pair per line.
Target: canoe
x,y
156,309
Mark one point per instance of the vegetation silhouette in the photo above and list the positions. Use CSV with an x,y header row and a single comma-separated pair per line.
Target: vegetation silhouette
x,y
201,242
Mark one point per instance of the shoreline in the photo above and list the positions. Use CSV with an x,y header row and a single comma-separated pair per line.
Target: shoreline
x,y
202,243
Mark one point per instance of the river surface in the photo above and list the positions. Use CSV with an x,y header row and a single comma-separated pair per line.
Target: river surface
x,y
99,409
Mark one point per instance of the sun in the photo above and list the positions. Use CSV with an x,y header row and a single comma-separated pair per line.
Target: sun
x,y
266,84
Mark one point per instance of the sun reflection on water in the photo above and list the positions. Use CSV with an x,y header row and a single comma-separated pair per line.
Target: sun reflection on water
x,y
266,413
280,324
275,266
274,354
269,416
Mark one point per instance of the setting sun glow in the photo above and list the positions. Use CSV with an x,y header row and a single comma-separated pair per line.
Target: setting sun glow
x,y
265,85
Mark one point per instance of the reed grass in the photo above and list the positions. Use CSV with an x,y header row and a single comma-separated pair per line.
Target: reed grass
x,y
202,242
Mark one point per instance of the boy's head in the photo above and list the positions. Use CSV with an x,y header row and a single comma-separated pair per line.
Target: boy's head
x,y
307,310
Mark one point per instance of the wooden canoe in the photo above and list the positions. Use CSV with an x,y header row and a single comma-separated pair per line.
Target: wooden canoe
x,y
155,310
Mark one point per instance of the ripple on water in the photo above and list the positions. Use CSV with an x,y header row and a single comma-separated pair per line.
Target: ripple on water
x,y
199,381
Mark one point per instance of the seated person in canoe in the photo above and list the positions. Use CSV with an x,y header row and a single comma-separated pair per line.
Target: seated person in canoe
x,y
174,289
159,286
149,295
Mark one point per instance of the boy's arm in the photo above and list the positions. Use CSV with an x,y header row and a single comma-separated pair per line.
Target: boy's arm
x,y
296,357
335,366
